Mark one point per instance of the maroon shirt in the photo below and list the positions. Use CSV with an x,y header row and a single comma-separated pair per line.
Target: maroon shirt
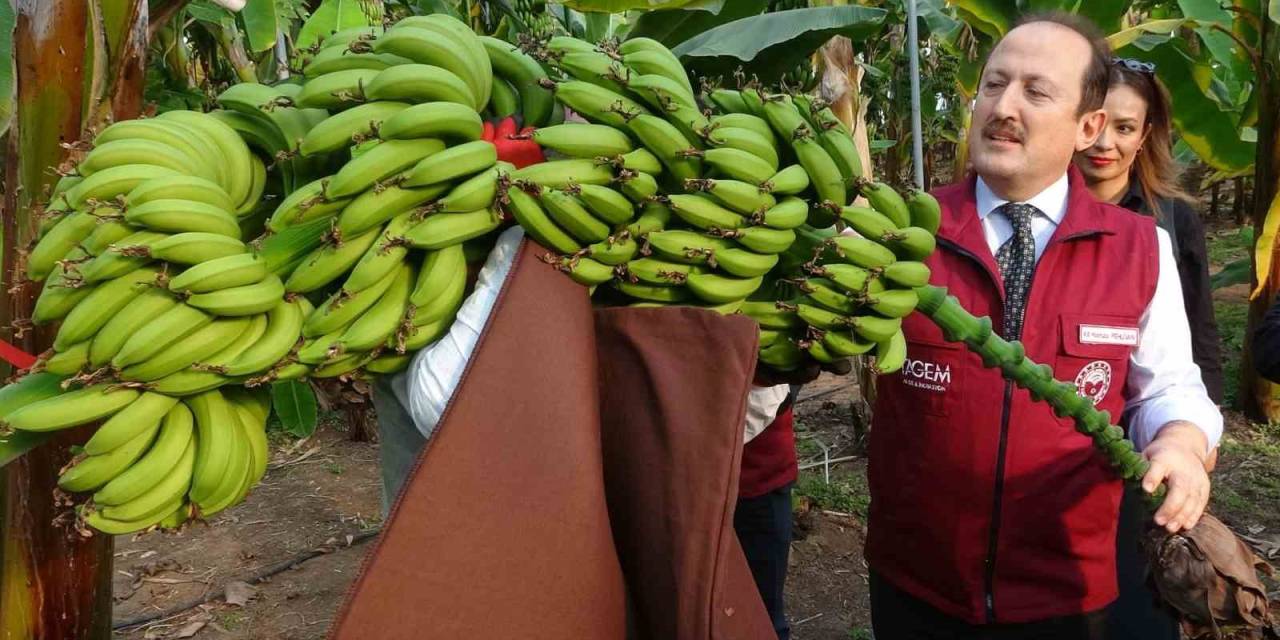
x,y
984,503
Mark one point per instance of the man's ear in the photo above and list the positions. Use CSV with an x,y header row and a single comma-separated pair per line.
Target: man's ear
x,y
1091,126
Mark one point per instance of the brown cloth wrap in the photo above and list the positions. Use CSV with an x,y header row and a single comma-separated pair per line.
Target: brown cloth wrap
x,y
502,530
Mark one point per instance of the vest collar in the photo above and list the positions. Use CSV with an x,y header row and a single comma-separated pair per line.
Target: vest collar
x,y
961,225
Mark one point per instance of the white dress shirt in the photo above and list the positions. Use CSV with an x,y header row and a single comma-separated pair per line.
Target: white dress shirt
x,y
1164,382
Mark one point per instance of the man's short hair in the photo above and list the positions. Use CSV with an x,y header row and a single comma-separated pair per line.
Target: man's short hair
x,y
1097,74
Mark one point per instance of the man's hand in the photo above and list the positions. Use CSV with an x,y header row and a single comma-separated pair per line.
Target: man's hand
x,y
1177,458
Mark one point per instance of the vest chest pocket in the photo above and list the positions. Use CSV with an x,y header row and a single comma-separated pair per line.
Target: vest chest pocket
x,y
1094,353
926,378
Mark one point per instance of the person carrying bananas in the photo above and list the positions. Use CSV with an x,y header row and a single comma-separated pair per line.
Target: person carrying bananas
x,y
990,516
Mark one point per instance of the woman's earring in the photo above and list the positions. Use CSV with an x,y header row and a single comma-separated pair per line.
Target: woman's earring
x,y
1139,151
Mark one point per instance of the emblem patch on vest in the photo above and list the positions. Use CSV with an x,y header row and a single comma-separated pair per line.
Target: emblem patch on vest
x,y
1094,380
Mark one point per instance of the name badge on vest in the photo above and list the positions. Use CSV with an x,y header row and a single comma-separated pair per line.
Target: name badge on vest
x,y
1100,334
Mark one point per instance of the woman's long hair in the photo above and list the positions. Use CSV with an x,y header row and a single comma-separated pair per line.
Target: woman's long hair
x,y
1154,167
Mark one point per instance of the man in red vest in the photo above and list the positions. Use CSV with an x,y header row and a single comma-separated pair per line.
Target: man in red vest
x,y
990,516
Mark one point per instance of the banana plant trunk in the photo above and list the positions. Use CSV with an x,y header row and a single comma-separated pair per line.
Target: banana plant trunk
x,y
77,63
1261,398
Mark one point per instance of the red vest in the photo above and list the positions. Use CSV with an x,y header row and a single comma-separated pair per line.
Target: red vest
x,y
983,503
769,460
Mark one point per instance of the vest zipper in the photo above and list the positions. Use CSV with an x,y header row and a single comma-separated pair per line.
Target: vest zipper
x,y
996,503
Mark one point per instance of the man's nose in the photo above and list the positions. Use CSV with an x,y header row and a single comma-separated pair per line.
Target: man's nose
x,y
1005,104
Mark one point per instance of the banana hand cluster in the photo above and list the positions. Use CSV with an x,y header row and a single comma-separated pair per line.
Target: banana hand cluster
x,y
186,275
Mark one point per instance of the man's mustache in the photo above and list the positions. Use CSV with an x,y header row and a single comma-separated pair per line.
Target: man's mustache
x,y
1003,129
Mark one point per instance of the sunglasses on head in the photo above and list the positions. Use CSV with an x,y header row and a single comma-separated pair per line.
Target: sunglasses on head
x,y
1137,66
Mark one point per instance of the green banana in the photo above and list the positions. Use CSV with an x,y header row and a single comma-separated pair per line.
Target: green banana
x,y
653,293
114,181
158,501
673,149
789,213
334,59
220,273
383,318
175,432
558,174
526,75
868,222
417,83
504,101
597,104
761,239
383,256
376,206
100,305
529,214
925,211
71,409
336,90
284,328
740,196
160,332
58,242
212,415
344,307
388,158
911,243
893,303
703,213
743,263
891,354
453,163
134,151
739,165
121,258
606,204
92,472
788,181
244,300
68,362
195,247
570,214
862,252
907,273
339,131
178,216
884,199
305,204
581,140
447,120
200,344
443,229
745,140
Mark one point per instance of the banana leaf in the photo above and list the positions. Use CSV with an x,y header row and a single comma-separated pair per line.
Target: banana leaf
x,y
992,17
1209,14
774,43
674,26
335,15
1273,10
294,403
1265,250
260,24
1214,134
618,6
19,442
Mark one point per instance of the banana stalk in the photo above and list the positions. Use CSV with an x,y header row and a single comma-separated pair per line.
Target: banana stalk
x,y
958,325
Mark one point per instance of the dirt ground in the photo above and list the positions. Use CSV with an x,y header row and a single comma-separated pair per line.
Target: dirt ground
x,y
321,497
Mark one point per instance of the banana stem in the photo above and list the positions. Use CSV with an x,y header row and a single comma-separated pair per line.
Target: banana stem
x,y
958,325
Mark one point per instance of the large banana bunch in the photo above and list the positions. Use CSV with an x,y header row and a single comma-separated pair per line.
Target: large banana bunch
x,y
171,306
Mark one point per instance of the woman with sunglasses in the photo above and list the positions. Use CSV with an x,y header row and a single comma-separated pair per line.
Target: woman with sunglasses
x,y
1132,165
